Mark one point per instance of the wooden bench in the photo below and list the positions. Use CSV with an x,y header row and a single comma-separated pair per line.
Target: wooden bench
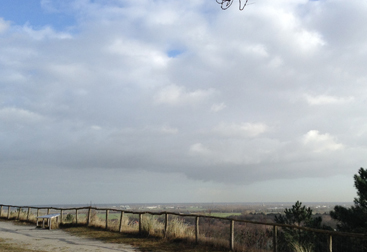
x,y
49,218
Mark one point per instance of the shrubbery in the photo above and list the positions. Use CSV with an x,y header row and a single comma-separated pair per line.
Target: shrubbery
x,y
354,219
291,239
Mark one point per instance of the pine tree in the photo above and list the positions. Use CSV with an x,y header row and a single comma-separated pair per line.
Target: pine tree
x,y
354,219
300,216
297,215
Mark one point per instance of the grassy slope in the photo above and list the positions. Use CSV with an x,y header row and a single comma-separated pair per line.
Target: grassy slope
x,y
145,244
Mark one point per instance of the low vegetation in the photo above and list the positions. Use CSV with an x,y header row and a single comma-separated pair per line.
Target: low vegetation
x,y
143,242
214,232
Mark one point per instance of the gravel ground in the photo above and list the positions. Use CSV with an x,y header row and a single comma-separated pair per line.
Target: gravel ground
x,y
30,237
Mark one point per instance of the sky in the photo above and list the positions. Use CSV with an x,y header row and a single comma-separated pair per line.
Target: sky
x,y
168,101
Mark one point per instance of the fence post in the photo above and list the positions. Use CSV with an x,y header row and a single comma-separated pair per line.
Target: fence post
x,y
231,236
19,209
330,243
275,238
8,212
165,224
89,215
107,212
1,210
76,216
121,217
61,216
38,212
140,222
48,210
29,209
197,229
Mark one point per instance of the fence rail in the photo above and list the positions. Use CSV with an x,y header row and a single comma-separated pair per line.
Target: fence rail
x,y
231,221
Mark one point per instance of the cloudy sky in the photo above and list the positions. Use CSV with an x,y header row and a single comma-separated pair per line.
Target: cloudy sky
x,y
139,101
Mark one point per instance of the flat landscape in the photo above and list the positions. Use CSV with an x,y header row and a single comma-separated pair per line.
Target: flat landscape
x,y
17,235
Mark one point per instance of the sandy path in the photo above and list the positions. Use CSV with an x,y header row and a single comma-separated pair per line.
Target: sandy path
x,y
30,237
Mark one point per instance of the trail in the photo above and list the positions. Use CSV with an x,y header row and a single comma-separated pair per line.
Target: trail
x,y
30,237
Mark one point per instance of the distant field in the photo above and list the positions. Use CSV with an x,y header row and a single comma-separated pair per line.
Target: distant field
x,y
224,215
102,216
113,216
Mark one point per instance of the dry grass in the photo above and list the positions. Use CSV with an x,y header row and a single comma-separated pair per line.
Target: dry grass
x,y
301,248
144,243
113,225
180,236
15,214
178,229
151,227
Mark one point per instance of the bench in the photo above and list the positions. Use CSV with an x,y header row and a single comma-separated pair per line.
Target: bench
x,y
49,218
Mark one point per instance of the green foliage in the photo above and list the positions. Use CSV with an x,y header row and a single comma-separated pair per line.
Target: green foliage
x,y
297,215
69,218
290,238
354,219
360,182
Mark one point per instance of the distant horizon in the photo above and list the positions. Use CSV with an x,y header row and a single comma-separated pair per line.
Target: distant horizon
x,y
187,203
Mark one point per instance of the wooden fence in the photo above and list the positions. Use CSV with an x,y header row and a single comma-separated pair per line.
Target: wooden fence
x,y
231,221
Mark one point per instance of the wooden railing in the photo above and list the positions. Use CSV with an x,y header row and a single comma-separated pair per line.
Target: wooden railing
x,y
231,221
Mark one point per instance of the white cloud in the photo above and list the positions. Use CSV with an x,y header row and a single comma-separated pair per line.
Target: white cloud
x,y
308,40
177,95
144,53
241,130
169,130
45,33
291,29
15,115
258,50
199,149
4,25
14,77
321,142
96,127
276,62
70,71
218,107
326,99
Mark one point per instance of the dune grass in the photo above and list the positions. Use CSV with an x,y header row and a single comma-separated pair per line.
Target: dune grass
x,y
179,237
141,242
180,234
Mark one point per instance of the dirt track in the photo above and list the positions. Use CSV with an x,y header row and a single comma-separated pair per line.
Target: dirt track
x,y
33,238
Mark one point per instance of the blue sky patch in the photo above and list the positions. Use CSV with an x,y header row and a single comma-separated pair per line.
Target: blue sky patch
x,y
21,12
174,53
